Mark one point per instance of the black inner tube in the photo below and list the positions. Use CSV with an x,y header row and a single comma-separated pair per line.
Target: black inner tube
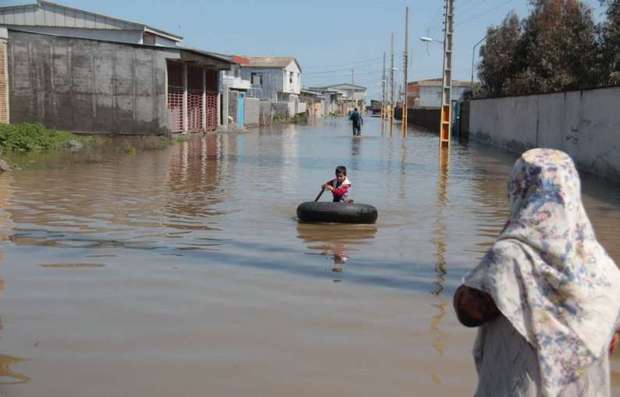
x,y
312,211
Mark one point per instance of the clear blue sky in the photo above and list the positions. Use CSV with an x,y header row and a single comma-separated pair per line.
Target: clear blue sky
x,y
328,37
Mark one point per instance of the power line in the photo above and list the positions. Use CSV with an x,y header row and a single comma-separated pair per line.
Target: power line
x,y
347,64
342,69
344,73
476,16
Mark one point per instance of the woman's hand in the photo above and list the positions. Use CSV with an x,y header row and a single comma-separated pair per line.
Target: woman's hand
x,y
327,186
473,307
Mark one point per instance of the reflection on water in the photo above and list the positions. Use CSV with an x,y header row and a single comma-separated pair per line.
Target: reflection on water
x,y
176,248
337,241
440,257
8,376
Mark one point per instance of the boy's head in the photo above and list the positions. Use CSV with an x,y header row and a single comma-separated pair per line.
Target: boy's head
x,y
341,173
355,109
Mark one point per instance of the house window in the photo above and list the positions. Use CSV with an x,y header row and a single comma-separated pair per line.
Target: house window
x,y
290,77
256,78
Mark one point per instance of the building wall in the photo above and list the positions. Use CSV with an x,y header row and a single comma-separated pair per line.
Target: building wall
x,y
4,78
87,85
430,96
252,112
272,82
294,88
585,124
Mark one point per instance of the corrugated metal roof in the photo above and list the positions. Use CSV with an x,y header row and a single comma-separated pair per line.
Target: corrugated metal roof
x,y
25,15
220,57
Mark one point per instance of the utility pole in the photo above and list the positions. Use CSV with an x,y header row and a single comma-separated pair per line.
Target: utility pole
x,y
445,126
405,116
352,76
391,81
383,85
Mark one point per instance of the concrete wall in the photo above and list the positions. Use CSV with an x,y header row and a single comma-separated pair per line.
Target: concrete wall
x,y
282,110
266,113
252,112
585,124
233,98
427,118
4,77
87,85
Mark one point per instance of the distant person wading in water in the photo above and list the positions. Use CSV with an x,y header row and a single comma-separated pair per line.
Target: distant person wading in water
x,y
357,121
546,295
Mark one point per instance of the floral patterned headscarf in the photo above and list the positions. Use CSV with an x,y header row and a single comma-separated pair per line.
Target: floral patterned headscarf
x,y
548,274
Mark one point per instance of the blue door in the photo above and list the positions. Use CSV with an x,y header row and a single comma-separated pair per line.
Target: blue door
x,y
241,110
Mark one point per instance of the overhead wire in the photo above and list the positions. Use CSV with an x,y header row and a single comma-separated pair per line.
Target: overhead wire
x,y
476,16
351,63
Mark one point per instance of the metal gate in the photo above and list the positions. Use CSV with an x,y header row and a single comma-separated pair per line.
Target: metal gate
x,y
175,97
240,110
211,84
211,111
195,88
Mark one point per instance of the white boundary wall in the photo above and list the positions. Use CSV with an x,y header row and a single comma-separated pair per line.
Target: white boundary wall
x,y
585,124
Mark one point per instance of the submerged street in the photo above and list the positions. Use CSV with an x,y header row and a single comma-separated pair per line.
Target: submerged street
x,y
184,270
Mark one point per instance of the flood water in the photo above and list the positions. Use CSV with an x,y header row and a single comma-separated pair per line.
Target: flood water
x,y
184,271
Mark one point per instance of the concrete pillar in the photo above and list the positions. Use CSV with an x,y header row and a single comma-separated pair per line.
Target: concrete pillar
x,y
220,118
185,99
225,107
4,76
204,99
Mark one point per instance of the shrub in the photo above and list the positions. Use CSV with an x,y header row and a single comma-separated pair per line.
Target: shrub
x,y
28,137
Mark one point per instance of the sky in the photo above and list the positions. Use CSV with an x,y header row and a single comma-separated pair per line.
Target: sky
x,y
327,37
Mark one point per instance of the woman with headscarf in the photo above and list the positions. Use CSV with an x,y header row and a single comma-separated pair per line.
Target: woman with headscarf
x,y
546,295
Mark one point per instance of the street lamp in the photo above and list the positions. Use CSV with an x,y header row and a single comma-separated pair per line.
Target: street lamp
x,y
430,39
473,54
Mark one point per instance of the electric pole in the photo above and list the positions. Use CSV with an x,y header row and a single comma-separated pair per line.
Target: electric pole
x,y
445,126
383,85
391,81
404,116
352,76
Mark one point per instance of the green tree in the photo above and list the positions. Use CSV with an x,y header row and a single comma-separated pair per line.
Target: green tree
x,y
499,56
611,44
555,48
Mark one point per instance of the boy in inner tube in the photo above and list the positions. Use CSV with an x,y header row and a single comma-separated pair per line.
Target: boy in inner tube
x,y
339,186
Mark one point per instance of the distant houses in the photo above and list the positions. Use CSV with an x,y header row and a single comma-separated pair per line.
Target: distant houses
x,y
426,94
82,71
347,96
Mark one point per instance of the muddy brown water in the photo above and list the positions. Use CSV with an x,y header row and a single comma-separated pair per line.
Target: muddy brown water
x,y
184,272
